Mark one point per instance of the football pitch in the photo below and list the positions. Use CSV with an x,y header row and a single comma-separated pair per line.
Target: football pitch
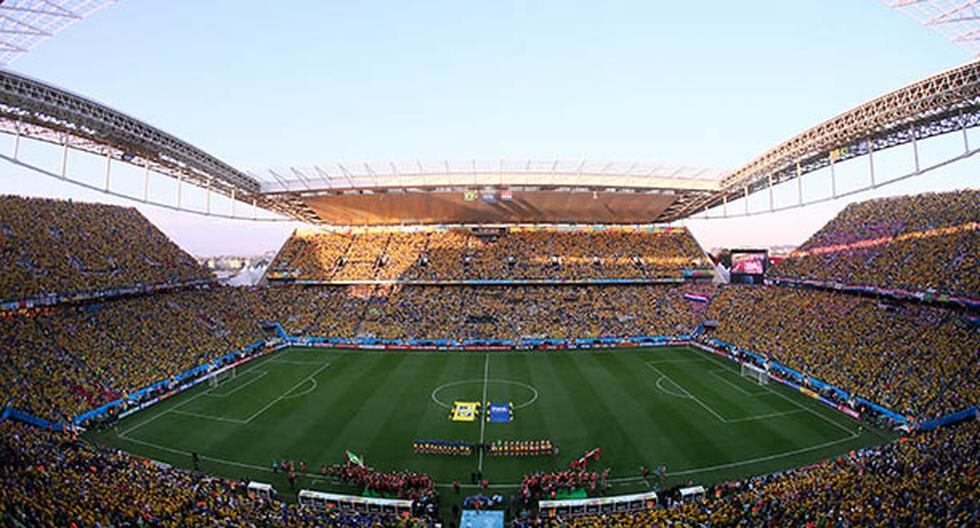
x,y
678,407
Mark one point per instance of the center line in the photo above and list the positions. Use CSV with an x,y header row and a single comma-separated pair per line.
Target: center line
x,y
483,406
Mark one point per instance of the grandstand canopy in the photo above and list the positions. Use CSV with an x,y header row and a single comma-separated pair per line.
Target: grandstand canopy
x,y
487,192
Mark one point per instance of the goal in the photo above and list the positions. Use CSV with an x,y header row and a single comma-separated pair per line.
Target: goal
x,y
760,375
221,376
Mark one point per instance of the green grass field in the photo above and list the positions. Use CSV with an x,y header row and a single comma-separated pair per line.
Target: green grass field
x,y
678,406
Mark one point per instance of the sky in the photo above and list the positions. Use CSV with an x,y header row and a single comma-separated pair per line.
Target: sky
x,y
708,83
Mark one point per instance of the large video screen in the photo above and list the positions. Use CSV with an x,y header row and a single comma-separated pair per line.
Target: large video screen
x,y
748,265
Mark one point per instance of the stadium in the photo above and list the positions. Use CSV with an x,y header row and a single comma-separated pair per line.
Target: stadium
x,y
490,343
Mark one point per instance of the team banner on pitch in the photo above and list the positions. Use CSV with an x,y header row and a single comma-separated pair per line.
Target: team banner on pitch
x,y
500,412
464,411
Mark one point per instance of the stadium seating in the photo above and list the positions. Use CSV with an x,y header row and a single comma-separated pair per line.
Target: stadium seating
x,y
52,479
514,254
53,246
914,359
929,479
466,312
923,242
63,361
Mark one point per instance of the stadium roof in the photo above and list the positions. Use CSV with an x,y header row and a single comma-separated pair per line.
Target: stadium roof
x,y
946,102
26,23
488,192
498,172
392,193
528,191
957,20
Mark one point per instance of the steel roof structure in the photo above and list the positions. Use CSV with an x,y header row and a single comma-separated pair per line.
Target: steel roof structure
x,y
26,23
448,173
551,191
937,105
36,110
957,20
536,191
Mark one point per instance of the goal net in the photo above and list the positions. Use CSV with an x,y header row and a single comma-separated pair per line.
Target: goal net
x,y
756,373
221,376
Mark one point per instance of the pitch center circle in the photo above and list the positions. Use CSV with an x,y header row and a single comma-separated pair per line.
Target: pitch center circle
x,y
533,391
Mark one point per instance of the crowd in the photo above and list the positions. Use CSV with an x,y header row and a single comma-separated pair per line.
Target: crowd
x,y
916,360
62,247
54,479
393,484
922,242
60,362
474,312
550,485
503,254
926,480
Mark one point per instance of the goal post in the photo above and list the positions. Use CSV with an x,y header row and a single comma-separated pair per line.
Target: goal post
x,y
221,376
759,374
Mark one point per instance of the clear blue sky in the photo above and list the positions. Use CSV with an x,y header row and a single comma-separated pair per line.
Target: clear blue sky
x,y
263,84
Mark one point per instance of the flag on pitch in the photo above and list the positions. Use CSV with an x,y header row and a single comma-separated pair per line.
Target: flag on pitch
x,y
354,459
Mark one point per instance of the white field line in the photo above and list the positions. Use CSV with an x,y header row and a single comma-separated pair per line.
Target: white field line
x,y
689,395
126,432
223,461
691,471
528,403
294,362
705,469
209,417
282,396
168,411
759,459
483,407
261,373
851,434
679,360
672,393
732,384
304,393
763,416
